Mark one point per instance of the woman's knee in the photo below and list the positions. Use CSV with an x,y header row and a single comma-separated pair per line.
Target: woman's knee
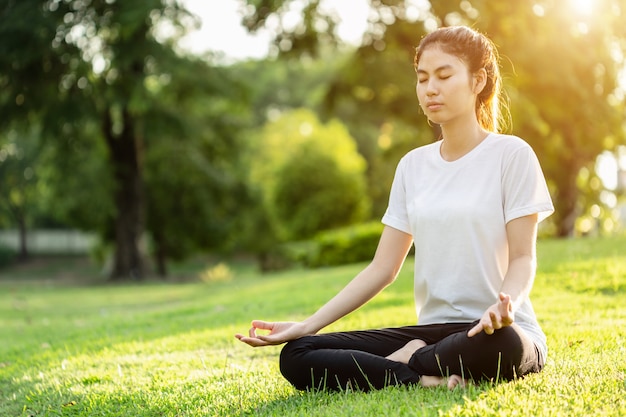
x,y
295,349
509,340
292,365
502,353
482,356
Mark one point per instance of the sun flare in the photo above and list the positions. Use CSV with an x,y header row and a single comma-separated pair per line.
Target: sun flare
x,y
582,7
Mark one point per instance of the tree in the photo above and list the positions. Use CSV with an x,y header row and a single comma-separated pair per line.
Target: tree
x,y
97,62
19,152
195,187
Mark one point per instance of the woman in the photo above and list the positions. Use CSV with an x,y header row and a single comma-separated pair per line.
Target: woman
x,y
470,203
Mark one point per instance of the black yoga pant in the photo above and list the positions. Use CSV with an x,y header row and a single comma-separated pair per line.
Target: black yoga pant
x,y
357,359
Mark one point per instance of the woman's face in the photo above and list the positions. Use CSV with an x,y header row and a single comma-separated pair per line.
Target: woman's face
x,y
445,88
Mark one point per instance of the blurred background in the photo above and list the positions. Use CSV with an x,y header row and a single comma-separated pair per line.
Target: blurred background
x,y
141,134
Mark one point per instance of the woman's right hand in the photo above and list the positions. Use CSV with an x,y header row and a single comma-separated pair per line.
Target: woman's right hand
x,y
279,332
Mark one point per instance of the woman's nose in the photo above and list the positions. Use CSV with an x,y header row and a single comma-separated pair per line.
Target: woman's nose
x,y
431,88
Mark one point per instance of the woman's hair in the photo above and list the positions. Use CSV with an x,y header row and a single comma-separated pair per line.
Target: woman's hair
x,y
477,51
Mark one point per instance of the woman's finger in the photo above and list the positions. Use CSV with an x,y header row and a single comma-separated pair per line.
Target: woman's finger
x,y
263,325
475,330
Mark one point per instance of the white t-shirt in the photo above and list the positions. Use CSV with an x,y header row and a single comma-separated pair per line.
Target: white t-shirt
x,y
457,214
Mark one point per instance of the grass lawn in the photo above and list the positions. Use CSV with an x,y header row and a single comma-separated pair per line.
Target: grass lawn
x,y
167,349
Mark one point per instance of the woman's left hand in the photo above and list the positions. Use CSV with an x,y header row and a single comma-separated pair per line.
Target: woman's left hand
x,y
496,317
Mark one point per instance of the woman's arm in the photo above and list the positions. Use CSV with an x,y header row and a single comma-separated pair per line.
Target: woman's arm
x,y
522,239
382,271
518,281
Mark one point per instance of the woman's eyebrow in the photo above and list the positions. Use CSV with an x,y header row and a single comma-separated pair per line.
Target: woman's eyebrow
x,y
439,69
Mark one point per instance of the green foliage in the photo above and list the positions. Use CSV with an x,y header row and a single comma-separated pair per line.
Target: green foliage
x,y
341,246
274,87
345,246
310,174
193,209
313,193
195,190
278,85
19,179
168,349
305,37
77,183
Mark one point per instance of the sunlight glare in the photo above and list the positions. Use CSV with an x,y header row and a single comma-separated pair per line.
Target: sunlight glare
x,y
352,18
221,31
582,7
607,169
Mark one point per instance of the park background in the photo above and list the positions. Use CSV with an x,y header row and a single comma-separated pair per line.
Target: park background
x,y
142,167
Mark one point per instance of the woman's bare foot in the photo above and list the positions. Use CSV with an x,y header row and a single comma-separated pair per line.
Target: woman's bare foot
x,y
404,353
436,381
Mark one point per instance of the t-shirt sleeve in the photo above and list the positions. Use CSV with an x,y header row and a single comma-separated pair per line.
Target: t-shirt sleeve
x,y
396,215
524,187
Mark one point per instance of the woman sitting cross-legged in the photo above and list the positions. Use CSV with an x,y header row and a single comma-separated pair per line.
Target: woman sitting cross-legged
x,y
470,203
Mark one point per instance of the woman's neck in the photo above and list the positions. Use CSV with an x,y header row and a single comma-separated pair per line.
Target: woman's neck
x,y
460,139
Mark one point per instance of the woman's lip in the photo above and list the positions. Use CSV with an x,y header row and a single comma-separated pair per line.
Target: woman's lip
x,y
434,106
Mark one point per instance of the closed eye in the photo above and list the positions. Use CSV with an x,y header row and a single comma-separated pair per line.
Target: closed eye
x,y
441,77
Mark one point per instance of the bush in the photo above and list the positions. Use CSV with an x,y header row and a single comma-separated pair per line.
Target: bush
x,y
310,175
288,255
342,246
346,245
314,192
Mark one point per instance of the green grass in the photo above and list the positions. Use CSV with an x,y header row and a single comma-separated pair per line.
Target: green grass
x,y
165,349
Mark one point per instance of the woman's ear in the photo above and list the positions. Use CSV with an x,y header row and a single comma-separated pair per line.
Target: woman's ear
x,y
480,80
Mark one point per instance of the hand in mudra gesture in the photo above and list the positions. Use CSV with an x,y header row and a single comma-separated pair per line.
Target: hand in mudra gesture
x,y
279,332
497,316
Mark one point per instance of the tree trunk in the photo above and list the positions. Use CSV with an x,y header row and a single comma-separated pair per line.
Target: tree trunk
x,y
566,205
160,254
566,201
128,223
23,254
